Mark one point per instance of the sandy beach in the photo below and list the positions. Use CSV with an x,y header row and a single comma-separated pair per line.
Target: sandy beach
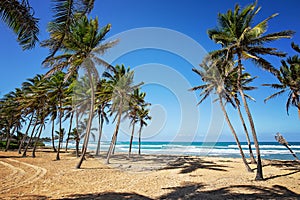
x,y
143,177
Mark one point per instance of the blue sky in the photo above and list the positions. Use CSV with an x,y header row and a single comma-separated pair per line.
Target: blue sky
x,y
168,94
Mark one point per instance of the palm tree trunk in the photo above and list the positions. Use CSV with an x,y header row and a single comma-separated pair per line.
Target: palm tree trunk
x,y
30,139
52,135
253,161
9,135
61,135
114,137
131,139
235,135
25,135
37,139
89,124
69,132
100,120
140,134
259,172
292,152
78,136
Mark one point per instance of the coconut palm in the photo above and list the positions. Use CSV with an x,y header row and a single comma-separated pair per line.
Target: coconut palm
x,y
57,92
143,116
289,81
19,16
214,75
135,106
82,46
103,97
123,88
65,13
231,87
240,39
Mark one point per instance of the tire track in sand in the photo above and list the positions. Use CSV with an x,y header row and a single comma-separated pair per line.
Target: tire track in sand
x,y
39,173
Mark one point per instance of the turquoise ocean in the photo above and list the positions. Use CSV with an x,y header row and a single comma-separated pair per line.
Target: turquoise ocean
x,y
268,150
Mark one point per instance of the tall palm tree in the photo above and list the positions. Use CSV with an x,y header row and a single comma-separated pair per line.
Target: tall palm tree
x,y
230,84
19,16
123,88
289,80
57,92
213,74
135,106
143,116
103,97
238,38
82,46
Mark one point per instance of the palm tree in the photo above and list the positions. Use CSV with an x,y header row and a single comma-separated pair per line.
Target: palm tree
x,y
57,93
103,97
82,47
135,106
230,84
283,141
35,98
143,115
65,13
289,81
19,16
214,74
237,37
123,88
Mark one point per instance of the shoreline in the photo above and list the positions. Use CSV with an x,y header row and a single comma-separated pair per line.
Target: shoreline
x,y
143,177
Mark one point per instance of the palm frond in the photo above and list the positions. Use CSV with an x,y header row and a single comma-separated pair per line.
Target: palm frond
x,y
20,18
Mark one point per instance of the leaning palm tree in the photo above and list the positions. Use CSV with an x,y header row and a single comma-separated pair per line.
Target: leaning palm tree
x,y
231,88
19,16
283,141
82,46
123,88
214,75
240,39
289,81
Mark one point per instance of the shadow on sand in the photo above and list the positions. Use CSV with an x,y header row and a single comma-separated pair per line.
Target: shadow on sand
x,y
194,192
189,164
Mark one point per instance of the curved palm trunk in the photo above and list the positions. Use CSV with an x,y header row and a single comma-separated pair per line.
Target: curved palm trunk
x,y
53,137
140,134
25,135
114,137
235,135
100,121
131,139
30,139
89,124
253,161
69,132
259,172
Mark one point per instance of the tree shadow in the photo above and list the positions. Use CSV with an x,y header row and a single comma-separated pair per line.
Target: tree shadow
x,y
107,196
292,166
232,192
31,197
189,164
